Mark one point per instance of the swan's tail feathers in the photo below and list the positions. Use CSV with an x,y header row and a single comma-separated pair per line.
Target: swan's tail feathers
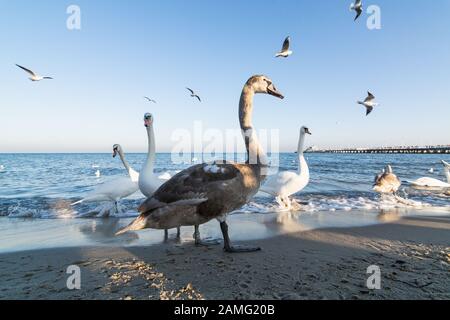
x,y
78,202
136,225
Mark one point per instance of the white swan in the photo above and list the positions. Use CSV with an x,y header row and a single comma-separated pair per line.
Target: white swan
x,y
117,189
149,182
431,182
284,184
2,168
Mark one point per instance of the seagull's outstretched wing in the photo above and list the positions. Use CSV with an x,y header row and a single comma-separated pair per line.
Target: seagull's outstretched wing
x,y
150,100
286,44
369,110
370,97
196,96
27,70
190,90
358,12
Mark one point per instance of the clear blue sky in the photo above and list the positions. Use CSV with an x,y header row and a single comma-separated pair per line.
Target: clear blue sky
x,y
128,49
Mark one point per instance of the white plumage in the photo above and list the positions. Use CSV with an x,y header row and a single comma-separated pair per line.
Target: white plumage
x,y
285,184
117,189
431,182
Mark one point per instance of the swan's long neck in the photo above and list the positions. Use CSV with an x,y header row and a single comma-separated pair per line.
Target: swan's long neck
x,y
303,169
150,162
447,173
125,163
255,153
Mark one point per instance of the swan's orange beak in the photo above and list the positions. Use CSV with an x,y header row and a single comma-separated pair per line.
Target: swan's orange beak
x,y
274,92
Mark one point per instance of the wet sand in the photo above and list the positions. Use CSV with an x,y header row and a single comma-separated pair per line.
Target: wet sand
x,y
412,253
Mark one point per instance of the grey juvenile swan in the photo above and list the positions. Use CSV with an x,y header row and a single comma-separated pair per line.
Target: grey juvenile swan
x,y
211,191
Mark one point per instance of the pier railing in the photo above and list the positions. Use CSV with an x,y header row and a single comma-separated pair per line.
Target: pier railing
x,y
388,150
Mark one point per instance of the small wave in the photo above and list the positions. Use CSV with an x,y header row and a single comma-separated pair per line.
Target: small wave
x,y
51,208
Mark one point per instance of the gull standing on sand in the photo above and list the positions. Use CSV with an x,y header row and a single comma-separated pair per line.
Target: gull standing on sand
x,y
150,100
358,7
369,103
34,76
194,95
285,52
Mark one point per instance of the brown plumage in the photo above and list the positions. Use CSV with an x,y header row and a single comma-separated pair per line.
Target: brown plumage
x,y
387,182
211,191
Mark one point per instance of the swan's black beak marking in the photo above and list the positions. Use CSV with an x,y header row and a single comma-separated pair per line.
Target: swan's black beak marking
x,y
307,131
274,92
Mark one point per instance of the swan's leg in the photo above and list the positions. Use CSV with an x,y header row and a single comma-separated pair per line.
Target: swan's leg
x,y
116,206
280,202
178,233
233,249
200,242
287,203
166,235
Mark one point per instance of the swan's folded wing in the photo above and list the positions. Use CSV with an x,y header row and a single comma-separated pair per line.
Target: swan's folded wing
x,y
195,185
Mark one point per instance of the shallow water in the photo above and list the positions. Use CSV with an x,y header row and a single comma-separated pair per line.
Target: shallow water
x,y
36,191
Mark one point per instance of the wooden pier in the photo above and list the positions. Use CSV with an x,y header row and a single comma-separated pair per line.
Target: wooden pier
x,y
388,150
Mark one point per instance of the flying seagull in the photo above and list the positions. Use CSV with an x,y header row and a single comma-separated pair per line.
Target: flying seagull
x,y
358,7
369,103
194,95
150,100
34,76
285,52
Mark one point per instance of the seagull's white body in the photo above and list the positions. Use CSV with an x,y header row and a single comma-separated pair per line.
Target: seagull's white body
x,y
369,103
117,189
149,182
34,76
285,52
285,184
431,182
98,174
2,167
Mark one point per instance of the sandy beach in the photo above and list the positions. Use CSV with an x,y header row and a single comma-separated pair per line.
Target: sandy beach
x,y
412,253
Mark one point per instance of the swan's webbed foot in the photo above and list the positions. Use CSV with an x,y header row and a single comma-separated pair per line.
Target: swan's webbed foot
x,y
206,242
234,249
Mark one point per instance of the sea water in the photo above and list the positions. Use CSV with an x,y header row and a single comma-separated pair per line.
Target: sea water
x,y
36,192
